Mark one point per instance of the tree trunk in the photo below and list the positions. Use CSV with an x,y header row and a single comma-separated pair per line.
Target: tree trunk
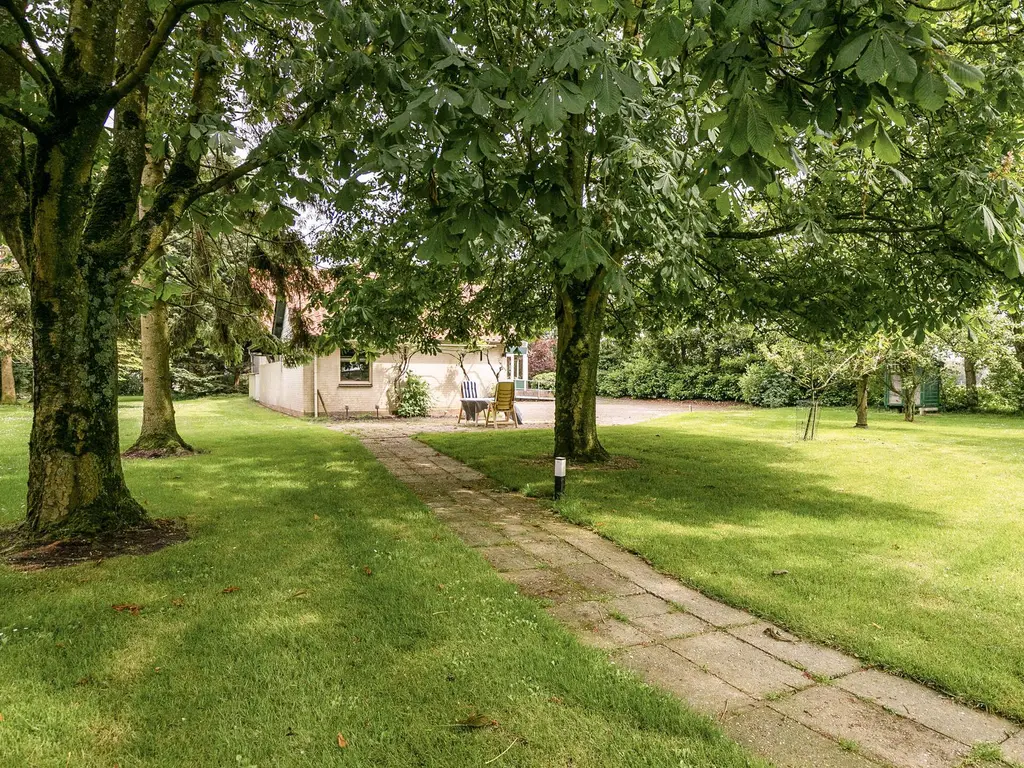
x,y
909,398
971,382
579,314
862,401
9,394
159,434
75,482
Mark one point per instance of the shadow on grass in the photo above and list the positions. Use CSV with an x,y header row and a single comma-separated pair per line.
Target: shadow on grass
x,y
355,612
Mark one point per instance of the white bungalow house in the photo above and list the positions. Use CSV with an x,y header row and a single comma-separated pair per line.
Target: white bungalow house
x,y
348,382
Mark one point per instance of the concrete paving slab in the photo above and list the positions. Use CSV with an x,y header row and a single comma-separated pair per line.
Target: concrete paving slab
x,y
611,634
545,583
711,611
643,604
787,743
1013,749
665,669
749,669
583,614
555,552
478,535
928,707
509,557
816,659
877,733
665,626
597,579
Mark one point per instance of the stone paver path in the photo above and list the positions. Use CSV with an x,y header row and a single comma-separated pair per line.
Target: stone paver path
x,y
800,705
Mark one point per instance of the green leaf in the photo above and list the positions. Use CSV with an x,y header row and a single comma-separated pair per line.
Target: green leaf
x,y
850,51
602,88
967,75
865,135
760,131
667,39
871,66
887,151
581,252
744,13
930,90
480,105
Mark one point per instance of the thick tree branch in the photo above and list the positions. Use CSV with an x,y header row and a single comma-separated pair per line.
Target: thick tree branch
x,y
18,15
18,56
16,116
260,155
156,43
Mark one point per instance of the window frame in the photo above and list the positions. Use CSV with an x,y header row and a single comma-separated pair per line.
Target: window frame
x,y
349,355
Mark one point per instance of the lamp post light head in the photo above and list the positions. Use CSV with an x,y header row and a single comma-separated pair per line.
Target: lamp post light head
x,y
559,476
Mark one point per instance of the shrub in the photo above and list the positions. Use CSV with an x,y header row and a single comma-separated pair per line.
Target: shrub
x,y
542,356
613,383
954,395
765,385
414,397
545,380
842,394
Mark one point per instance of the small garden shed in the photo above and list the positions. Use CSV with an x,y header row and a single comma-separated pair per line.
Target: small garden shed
x,y
927,398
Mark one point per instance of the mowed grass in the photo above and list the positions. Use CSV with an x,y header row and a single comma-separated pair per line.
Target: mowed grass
x,y
903,543
355,613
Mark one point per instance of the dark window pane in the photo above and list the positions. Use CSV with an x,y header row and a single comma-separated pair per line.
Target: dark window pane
x,y
354,366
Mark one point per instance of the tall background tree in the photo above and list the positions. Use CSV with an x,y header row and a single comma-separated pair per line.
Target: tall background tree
x,y
656,152
261,78
15,325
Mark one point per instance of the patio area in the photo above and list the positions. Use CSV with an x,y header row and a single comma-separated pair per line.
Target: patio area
x,y
537,414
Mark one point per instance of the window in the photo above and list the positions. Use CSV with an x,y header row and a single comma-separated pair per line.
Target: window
x,y
355,367
280,308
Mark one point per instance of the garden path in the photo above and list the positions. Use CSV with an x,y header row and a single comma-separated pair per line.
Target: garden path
x,y
798,704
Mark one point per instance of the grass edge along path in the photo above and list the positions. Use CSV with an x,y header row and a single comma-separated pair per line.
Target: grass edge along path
x,y
316,597
926,512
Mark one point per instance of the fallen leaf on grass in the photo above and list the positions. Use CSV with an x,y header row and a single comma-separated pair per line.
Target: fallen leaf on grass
x,y
132,608
342,741
178,602
780,572
367,571
477,720
229,590
316,517
1,718
876,626
300,593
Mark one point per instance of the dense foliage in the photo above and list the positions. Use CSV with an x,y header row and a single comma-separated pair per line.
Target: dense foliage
x,y
413,397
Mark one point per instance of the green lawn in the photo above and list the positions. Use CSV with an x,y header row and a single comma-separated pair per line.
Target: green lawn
x,y
356,613
903,543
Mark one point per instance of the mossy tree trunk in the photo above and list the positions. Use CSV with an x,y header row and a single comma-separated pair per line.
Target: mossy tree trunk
x,y
579,314
862,401
75,241
8,391
971,381
70,215
159,435
159,430
77,277
76,484
580,305
909,397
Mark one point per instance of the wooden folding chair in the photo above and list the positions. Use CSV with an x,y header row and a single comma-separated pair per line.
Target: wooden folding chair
x,y
504,402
